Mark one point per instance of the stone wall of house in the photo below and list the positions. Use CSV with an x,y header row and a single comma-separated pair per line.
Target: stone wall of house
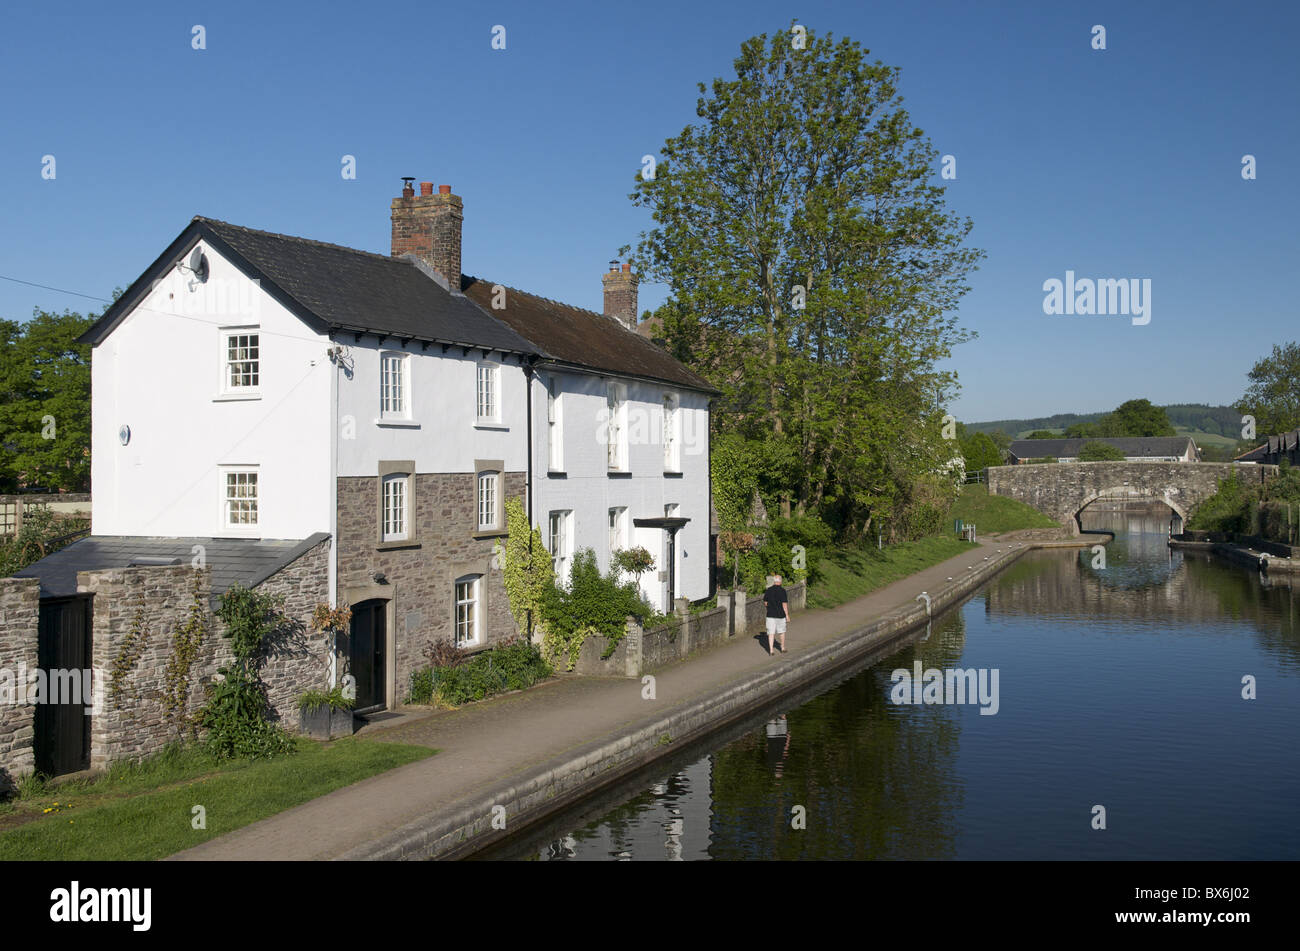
x,y
19,616
135,615
298,659
420,575
157,602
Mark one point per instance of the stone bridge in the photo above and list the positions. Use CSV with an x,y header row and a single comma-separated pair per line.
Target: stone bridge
x,y
1061,490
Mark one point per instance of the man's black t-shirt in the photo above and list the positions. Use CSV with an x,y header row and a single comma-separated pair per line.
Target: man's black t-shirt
x,y
775,598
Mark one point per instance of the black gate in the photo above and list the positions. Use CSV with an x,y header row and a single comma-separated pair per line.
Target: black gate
x,y
63,651
369,637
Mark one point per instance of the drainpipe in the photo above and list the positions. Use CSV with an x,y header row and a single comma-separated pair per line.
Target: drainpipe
x,y
529,373
708,531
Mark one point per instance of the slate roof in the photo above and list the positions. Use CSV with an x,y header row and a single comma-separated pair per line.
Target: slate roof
x,y
1273,448
1138,446
246,560
582,338
332,289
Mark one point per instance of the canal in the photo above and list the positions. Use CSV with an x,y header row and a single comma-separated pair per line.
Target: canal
x,y
1118,686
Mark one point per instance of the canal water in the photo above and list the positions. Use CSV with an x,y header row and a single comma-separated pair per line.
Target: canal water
x,y
1119,686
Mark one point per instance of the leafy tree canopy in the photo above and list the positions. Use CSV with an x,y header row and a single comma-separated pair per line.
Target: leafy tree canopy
x,y
45,403
1099,452
1273,396
813,272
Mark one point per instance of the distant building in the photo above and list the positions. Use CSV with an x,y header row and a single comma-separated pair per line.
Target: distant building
x,y
1135,449
1274,450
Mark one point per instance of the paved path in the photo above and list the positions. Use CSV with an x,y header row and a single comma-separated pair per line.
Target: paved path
x,y
482,743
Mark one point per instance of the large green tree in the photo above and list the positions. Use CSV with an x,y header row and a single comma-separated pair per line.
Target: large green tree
x,y
813,271
45,403
1130,418
1136,418
1273,396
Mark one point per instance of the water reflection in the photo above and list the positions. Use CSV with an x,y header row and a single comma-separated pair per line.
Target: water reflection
x,y
1121,685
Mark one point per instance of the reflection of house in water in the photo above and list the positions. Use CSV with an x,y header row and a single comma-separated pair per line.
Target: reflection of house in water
x,y
670,821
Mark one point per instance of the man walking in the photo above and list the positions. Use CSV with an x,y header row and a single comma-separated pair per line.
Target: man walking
x,y
778,613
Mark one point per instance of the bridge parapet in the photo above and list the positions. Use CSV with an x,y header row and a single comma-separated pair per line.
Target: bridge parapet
x,y
1061,490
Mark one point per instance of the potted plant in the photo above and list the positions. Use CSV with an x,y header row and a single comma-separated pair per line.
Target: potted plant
x,y
327,714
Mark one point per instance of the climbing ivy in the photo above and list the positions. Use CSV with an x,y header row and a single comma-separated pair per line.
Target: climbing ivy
x,y
529,574
186,641
128,655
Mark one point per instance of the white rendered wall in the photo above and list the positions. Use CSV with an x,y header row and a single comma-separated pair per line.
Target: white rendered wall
x,y
589,491
442,434
160,372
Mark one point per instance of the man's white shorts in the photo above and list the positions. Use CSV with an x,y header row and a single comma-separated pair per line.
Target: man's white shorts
x,y
776,625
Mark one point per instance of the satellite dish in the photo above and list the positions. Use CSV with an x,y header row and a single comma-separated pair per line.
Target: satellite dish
x,y
198,265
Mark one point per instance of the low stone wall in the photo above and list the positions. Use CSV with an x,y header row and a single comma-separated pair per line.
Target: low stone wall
x,y
19,616
136,614
641,651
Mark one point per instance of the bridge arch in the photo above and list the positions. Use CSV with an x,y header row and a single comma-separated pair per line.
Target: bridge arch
x,y
1061,490
1142,494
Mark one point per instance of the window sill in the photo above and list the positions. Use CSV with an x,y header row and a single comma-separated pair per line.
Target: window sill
x,y
236,397
672,474
556,474
620,473
488,424
394,545
489,533
398,423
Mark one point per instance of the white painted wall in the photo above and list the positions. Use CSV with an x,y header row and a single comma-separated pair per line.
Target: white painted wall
x,y
442,434
160,372
589,491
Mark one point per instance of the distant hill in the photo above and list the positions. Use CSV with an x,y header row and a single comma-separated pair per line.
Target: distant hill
x,y
1193,418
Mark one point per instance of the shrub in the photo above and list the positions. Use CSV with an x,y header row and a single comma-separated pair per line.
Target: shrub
x,y
237,706
592,604
43,533
512,665
778,555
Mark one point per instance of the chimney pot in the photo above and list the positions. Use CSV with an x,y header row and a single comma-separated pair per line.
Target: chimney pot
x,y
620,294
407,190
429,227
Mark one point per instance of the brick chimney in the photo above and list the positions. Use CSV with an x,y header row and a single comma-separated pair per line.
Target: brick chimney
x,y
620,294
428,226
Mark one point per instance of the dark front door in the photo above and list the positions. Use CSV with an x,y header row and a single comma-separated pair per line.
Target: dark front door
x,y
369,637
62,728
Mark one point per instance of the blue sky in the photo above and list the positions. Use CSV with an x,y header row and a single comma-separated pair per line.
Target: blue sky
x,y
1122,163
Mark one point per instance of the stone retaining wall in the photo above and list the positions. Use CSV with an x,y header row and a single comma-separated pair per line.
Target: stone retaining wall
x,y
640,651
135,615
19,616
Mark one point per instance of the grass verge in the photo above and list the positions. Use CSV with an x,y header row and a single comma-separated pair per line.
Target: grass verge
x,y
994,513
145,811
848,573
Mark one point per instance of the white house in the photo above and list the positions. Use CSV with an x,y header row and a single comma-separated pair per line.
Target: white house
x,y
262,388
